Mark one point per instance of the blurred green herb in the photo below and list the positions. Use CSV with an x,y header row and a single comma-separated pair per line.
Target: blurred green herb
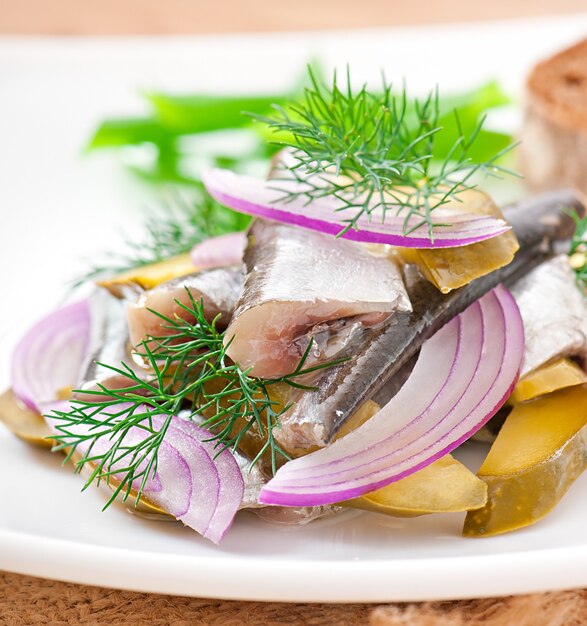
x,y
176,231
578,250
382,151
177,125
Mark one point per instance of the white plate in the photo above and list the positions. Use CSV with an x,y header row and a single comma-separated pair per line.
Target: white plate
x,y
56,206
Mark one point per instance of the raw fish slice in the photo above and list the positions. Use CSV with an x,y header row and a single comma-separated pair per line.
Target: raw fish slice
x,y
218,289
298,281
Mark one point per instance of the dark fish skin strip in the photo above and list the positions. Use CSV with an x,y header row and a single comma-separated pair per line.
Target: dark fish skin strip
x,y
538,222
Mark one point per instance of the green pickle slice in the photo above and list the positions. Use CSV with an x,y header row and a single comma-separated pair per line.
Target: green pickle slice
x,y
539,452
26,424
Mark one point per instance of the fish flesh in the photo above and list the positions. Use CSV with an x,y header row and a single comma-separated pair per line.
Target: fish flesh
x,y
302,285
218,290
554,313
379,354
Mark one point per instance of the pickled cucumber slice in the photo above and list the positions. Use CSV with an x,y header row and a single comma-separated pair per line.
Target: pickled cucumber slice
x,y
539,452
548,378
445,486
366,411
450,268
22,421
150,276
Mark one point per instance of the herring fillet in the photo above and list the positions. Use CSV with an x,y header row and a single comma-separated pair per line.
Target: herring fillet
x,y
217,289
299,282
554,313
381,353
109,346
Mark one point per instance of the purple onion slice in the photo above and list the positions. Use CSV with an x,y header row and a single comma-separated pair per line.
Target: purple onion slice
x,y
265,199
463,375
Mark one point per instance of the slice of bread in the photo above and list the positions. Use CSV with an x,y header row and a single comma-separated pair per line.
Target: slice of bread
x,y
553,152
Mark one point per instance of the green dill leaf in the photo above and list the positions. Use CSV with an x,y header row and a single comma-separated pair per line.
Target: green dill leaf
x,y
176,232
381,151
578,250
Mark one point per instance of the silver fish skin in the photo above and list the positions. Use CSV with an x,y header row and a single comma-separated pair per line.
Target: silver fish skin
x,y
298,280
254,480
554,312
109,344
381,356
218,289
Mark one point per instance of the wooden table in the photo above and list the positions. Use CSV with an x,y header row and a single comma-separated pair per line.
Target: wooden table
x,y
93,17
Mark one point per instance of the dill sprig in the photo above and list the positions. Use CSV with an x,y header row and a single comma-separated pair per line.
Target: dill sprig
x,y
177,231
376,152
191,373
578,250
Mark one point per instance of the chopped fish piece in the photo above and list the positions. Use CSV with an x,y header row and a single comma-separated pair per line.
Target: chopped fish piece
x,y
298,285
218,289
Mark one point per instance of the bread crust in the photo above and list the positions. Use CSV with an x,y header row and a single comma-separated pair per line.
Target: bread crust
x,y
553,151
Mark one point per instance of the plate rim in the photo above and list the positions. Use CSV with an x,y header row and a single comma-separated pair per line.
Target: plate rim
x,y
353,581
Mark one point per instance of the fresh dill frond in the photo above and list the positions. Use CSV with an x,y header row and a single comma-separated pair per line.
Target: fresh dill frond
x,y
191,373
174,232
578,250
376,152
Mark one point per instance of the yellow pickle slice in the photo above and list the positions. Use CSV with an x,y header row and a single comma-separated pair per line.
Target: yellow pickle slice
x,y
150,276
548,378
26,424
445,486
538,454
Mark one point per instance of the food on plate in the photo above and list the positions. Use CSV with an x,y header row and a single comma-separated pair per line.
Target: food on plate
x,y
377,356
151,275
373,312
548,378
445,486
527,475
553,152
452,268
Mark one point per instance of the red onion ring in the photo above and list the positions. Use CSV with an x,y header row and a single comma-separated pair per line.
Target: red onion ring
x,y
463,375
193,482
50,355
264,198
219,251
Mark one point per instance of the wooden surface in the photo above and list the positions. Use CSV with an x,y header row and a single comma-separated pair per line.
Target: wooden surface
x,y
85,17
27,601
